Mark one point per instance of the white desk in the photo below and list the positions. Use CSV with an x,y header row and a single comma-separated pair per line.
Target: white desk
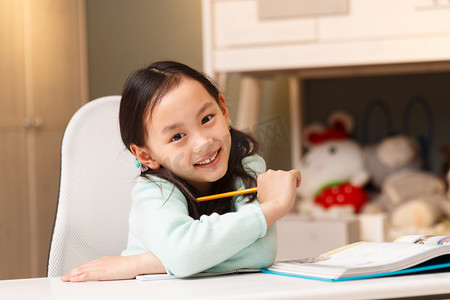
x,y
243,286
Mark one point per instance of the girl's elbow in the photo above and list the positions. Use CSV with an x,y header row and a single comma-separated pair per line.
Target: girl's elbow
x,y
183,271
269,261
184,266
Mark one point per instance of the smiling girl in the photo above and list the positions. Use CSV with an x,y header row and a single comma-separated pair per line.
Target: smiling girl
x,y
176,123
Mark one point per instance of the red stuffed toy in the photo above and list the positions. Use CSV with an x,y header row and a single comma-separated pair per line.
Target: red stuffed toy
x,y
333,171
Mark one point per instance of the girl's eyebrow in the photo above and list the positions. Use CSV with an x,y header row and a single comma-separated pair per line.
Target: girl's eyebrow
x,y
171,127
177,125
203,108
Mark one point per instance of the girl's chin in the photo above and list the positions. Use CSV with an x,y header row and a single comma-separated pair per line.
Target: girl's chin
x,y
205,175
212,175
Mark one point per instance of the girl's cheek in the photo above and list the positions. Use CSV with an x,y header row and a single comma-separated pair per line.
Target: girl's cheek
x,y
227,141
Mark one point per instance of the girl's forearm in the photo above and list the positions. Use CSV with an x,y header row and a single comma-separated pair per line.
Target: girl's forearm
x,y
148,263
273,211
116,267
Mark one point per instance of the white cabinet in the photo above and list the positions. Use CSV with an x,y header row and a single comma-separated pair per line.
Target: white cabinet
x,y
241,37
304,237
320,38
245,29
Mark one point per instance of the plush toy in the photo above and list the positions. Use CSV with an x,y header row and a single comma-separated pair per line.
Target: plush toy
x,y
412,199
391,155
333,172
418,199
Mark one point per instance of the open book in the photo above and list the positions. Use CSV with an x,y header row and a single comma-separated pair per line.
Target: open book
x,y
407,254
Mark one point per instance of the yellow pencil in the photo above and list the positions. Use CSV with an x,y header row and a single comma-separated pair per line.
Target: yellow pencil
x,y
228,194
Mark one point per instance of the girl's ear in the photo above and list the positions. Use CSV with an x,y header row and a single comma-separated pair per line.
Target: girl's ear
x,y
145,157
223,107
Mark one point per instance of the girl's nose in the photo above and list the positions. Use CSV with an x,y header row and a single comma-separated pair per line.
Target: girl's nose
x,y
203,145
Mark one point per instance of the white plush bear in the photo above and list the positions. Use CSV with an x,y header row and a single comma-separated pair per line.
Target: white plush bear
x,y
333,172
392,154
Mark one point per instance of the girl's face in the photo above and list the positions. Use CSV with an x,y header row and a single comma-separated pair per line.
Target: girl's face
x,y
187,133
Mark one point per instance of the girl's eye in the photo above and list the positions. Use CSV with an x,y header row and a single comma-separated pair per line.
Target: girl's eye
x,y
177,137
206,119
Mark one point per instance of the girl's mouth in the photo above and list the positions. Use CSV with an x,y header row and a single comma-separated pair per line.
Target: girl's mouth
x,y
210,161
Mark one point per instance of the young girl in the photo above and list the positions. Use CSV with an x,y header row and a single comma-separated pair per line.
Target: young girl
x,y
176,123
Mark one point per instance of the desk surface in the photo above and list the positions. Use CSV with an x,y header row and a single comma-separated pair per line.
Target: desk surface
x,y
242,286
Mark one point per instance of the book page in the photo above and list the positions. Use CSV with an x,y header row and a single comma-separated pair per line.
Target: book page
x,y
365,254
362,258
439,240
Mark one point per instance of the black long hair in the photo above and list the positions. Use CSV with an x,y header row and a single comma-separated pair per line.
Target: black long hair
x,y
143,90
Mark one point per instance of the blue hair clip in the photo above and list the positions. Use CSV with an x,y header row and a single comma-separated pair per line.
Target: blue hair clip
x,y
138,164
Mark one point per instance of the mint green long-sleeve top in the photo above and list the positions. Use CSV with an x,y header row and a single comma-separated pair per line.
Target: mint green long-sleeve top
x,y
159,222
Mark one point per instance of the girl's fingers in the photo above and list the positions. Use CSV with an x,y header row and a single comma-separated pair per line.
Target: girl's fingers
x,y
80,273
298,177
79,277
69,275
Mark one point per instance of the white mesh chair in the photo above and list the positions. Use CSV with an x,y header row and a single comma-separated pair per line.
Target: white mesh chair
x,y
97,176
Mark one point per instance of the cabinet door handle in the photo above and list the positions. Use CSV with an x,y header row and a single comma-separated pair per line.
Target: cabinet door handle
x,y
38,122
28,124
35,123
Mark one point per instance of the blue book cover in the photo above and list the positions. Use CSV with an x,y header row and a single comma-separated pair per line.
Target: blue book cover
x,y
413,270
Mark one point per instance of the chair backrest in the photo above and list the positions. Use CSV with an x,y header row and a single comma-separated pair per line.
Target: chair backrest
x,y
97,176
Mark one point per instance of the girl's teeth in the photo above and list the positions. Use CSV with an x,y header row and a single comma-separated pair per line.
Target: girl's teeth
x,y
208,160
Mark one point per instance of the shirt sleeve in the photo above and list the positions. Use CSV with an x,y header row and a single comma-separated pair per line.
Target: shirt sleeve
x,y
160,223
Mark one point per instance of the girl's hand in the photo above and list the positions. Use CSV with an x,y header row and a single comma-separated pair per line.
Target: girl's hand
x,y
276,192
116,267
